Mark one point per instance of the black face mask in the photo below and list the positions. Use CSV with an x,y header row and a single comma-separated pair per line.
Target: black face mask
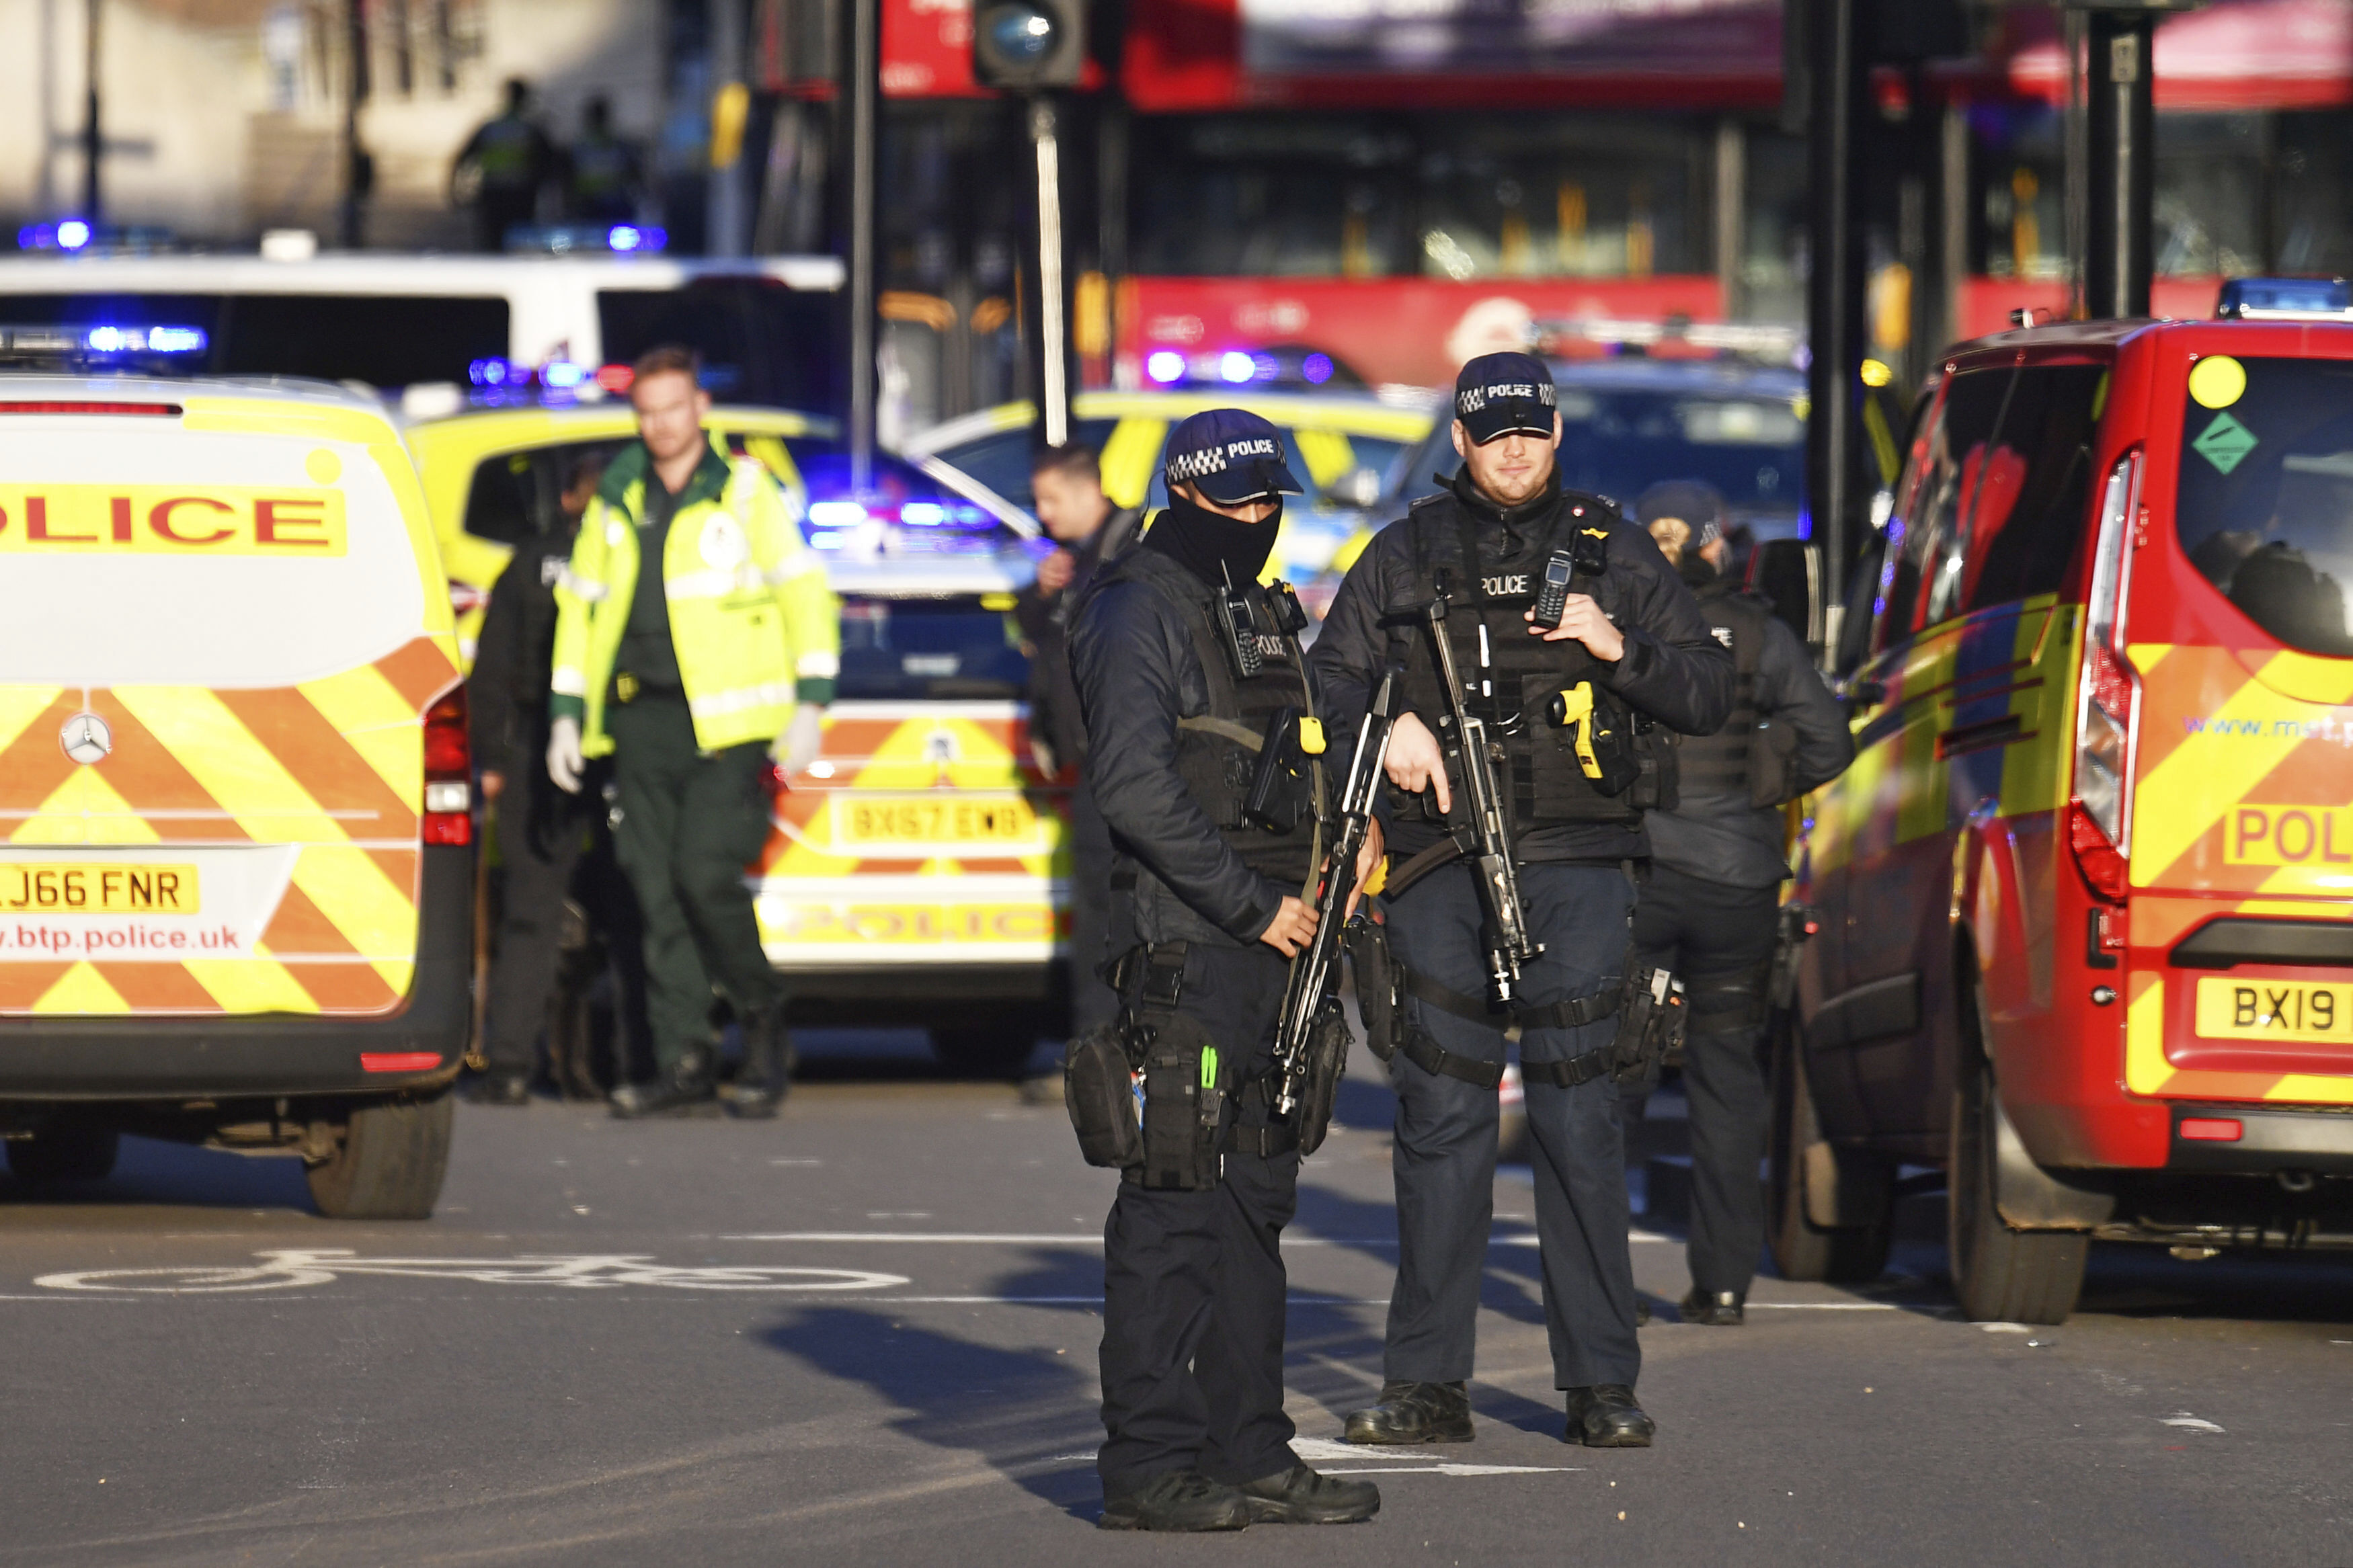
x,y
1214,547
1695,569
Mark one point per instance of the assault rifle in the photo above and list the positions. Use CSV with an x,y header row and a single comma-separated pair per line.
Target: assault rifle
x,y
1313,981
1478,821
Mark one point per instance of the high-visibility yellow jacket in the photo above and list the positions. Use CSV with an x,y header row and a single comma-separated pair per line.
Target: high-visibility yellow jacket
x,y
752,620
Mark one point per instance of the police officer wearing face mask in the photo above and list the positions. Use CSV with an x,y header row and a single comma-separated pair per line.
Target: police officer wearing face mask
x,y
1184,664
1631,641
1710,909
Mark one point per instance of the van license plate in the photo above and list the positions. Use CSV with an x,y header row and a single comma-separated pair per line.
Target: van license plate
x,y
2274,1010
62,888
916,822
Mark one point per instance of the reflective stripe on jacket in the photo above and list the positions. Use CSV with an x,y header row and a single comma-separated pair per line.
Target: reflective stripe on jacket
x,y
752,619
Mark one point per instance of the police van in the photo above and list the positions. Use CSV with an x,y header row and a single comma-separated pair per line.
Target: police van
x,y
235,847
2084,902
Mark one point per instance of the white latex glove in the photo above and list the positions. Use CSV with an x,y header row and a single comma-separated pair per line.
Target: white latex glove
x,y
802,738
564,759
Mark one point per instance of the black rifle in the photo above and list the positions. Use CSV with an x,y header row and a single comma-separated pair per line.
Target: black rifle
x,y
1313,986
1479,824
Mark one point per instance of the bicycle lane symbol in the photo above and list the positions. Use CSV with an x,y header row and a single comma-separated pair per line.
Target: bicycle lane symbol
x,y
296,1268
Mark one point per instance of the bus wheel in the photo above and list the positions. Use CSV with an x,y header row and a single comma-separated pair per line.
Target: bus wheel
x,y
1845,1255
388,1163
65,1151
1999,1275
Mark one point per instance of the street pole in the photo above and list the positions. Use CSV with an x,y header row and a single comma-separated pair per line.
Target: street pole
x,y
93,134
357,175
726,224
1834,291
2120,110
865,92
1053,386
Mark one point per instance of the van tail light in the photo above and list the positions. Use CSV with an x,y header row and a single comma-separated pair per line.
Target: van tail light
x,y
2108,697
448,772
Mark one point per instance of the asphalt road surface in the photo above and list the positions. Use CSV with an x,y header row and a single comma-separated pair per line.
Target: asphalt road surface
x,y
865,1333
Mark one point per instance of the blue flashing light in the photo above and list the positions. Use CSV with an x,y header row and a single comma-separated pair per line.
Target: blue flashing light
x,y
923,514
836,513
108,340
1805,522
2285,299
1316,369
623,237
1265,367
176,340
72,233
653,238
561,374
491,372
1236,366
1165,366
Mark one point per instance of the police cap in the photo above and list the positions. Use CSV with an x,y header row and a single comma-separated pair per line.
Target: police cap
x,y
1499,394
1232,455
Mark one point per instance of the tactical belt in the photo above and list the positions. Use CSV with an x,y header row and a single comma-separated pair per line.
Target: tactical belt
x,y
1572,1072
1157,972
1568,1014
1266,1143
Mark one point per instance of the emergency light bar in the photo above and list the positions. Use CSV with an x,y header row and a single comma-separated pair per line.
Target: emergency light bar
x,y
1762,339
572,238
2285,299
75,346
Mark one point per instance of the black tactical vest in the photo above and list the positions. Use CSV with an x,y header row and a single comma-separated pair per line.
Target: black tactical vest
x,y
1217,751
1511,676
1718,764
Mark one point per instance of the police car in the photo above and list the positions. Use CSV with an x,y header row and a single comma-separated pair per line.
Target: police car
x,y
920,860
236,847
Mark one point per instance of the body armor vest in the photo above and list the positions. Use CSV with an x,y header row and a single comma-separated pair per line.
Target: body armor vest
x,y
1510,678
1742,759
1219,752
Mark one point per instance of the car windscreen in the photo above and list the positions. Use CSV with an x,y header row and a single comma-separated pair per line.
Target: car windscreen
x,y
1750,447
384,340
2265,505
139,552
1000,460
930,649
902,511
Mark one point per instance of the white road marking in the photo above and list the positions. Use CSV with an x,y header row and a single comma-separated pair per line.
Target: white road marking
x,y
293,1268
1451,1468
1828,1306
1067,1238
2190,1423
2005,1328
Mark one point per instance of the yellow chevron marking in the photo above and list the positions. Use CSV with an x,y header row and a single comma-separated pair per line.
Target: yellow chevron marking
x,y
85,809
2298,908
2312,1089
2146,657
251,985
19,705
233,767
2146,1069
2308,678
81,989
367,711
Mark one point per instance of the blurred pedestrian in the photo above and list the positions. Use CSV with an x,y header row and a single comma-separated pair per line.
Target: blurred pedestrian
x,y
543,832
697,644
602,171
1067,482
1709,910
503,169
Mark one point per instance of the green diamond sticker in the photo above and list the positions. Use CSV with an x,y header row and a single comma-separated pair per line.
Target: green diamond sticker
x,y
2225,444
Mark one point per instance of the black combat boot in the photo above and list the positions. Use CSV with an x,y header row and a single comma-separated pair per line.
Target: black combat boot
x,y
1177,1499
1300,1496
1414,1413
1718,1308
766,1075
684,1089
1606,1416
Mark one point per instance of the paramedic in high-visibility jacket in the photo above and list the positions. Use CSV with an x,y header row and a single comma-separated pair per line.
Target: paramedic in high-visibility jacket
x,y
698,677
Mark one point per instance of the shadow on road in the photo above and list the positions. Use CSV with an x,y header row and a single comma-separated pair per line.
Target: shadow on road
x,y
175,1176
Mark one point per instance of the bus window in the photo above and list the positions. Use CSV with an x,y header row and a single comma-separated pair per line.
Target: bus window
x,y
761,342
2265,505
384,340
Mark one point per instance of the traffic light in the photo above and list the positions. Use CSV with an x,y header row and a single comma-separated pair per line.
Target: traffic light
x,y
1024,45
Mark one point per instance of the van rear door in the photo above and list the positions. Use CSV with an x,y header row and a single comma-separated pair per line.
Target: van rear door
x,y
225,630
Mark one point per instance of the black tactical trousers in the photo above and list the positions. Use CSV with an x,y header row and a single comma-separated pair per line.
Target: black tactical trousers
x,y
541,832
1719,939
1194,1288
1444,1160
690,824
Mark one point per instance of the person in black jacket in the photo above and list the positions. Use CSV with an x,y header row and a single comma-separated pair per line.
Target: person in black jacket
x,y
1631,642
541,831
1176,699
1067,482
1710,907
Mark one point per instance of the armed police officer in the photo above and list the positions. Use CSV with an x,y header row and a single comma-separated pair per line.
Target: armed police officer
x,y
1711,907
1187,673
1513,905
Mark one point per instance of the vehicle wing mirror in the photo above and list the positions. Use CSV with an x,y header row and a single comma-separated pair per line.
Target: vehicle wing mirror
x,y
1789,571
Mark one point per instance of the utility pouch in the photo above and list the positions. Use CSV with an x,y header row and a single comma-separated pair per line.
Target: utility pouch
x,y
1772,762
1098,1092
1601,731
1281,791
1183,1102
1327,1057
1649,1025
1380,998
1654,753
